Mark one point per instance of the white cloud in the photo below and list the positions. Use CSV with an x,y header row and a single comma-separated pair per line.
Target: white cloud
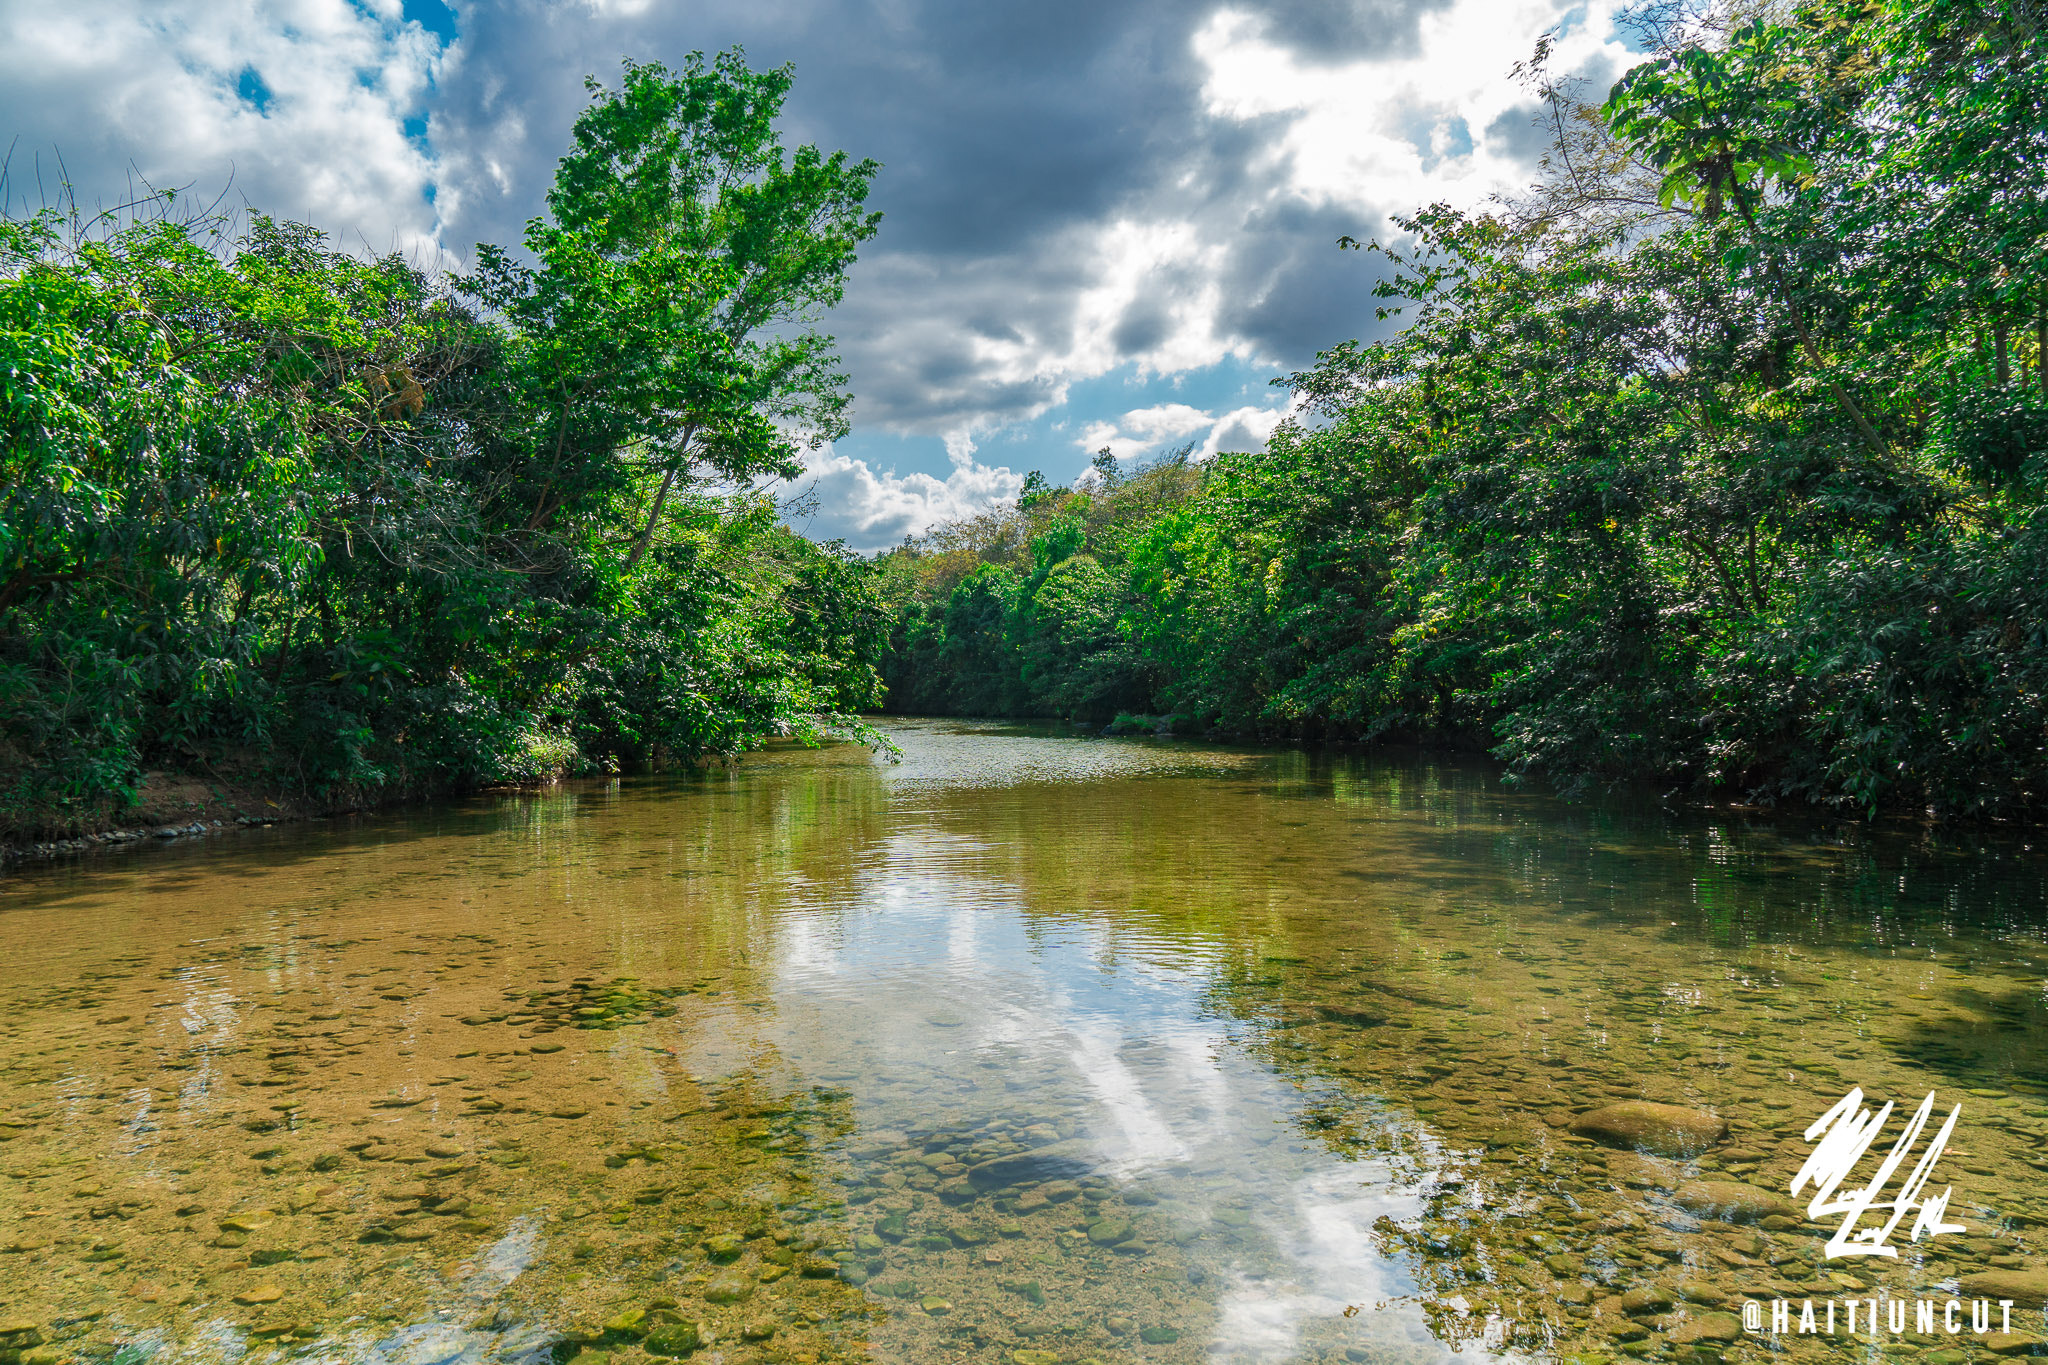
x,y
304,102
1244,429
873,510
1403,131
1166,420
1145,429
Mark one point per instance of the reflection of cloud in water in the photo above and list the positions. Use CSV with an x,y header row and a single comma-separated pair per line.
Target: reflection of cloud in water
x,y
940,1000
1327,1233
933,758
440,1337
1142,1136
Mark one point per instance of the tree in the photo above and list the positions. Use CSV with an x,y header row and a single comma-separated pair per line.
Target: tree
x,y
668,318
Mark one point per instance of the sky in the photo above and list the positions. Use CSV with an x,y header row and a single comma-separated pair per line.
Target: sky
x,y
1107,222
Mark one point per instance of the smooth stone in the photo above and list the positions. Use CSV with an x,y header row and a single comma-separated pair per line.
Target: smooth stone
x,y
1055,1161
1707,1327
674,1339
1647,1298
728,1290
262,1293
1110,1231
2015,1344
1031,1357
725,1246
1159,1336
1732,1202
936,1307
1666,1129
2026,1288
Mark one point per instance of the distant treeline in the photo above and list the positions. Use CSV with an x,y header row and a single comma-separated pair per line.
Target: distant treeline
x,y
1718,461
282,516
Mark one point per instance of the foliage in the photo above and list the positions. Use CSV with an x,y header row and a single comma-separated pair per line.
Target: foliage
x,y
1025,609
1719,462
269,508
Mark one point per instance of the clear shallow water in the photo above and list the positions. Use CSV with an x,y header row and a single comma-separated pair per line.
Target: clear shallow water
x,y
1029,1048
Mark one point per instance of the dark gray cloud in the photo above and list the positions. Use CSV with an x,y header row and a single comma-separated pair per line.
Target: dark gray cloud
x,y
1331,31
1008,133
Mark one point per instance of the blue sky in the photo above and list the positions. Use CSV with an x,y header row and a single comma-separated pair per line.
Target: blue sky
x,y
1108,222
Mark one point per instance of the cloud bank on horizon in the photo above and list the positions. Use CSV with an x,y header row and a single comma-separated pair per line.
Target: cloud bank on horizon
x,y
1107,225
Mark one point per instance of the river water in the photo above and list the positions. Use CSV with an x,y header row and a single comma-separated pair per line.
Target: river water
x,y
1028,1048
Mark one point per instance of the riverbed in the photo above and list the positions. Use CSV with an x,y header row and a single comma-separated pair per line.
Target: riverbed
x,y
1027,1048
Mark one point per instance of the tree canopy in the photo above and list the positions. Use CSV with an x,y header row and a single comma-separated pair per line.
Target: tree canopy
x,y
268,509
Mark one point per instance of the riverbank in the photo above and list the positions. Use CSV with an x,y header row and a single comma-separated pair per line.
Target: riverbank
x,y
179,806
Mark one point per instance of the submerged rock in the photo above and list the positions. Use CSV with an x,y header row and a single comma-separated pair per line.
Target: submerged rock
x,y
1665,1129
1707,1327
675,1339
1732,1201
2015,1344
728,1289
1056,1161
2026,1288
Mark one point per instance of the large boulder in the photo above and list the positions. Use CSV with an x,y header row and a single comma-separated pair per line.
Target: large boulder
x,y
1643,1125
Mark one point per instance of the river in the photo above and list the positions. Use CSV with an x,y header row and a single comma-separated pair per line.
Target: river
x,y
1028,1048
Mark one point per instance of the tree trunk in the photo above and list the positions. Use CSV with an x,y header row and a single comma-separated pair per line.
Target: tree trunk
x,y
653,518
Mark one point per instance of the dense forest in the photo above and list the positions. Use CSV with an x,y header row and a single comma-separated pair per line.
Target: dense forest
x,y
1717,460
274,514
